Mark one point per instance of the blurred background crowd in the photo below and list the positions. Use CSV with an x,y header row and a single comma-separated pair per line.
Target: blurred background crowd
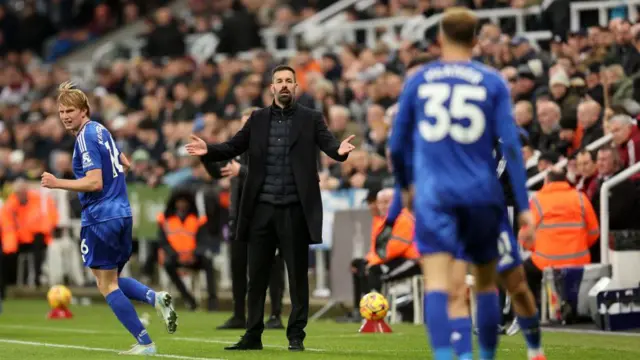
x,y
564,89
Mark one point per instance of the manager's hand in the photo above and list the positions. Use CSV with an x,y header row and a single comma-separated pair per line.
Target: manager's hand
x,y
232,169
345,146
197,146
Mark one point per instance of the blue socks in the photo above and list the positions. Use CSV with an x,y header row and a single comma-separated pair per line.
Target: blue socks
x,y
461,338
437,323
135,290
126,313
530,327
488,316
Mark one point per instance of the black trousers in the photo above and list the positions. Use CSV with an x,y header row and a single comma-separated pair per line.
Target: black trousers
x,y
37,249
283,228
534,278
239,269
171,266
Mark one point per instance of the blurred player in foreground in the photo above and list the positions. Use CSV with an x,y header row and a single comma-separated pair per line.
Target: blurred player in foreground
x,y
454,110
106,233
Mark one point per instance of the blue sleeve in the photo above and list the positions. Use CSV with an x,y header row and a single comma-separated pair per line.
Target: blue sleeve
x,y
396,206
401,142
89,150
511,147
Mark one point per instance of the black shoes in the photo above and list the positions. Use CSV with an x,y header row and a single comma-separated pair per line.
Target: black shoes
x,y
234,323
274,322
247,343
296,345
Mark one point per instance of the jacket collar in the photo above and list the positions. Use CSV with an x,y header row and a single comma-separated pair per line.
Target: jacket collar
x,y
556,186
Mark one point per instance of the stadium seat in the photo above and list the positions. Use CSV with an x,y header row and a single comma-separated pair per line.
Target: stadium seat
x,y
564,291
392,288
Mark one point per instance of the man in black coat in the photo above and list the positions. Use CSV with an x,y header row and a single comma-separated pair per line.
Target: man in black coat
x,y
281,206
236,170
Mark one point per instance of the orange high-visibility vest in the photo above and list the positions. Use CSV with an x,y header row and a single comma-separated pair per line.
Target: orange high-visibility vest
x,y
181,235
566,226
400,244
38,215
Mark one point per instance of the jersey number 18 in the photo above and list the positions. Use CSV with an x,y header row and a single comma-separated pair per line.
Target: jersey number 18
x,y
459,108
114,154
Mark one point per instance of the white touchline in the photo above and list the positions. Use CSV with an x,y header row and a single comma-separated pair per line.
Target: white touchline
x,y
86,348
213,341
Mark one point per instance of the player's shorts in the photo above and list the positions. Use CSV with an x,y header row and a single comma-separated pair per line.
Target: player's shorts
x,y
471,230
107,245
507,246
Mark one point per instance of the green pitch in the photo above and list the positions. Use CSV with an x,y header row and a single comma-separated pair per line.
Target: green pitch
x,y
95,334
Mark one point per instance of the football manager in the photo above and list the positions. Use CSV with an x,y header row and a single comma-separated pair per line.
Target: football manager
x,y
281,206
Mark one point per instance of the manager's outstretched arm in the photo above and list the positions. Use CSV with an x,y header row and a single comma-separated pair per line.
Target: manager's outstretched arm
x,y
235,146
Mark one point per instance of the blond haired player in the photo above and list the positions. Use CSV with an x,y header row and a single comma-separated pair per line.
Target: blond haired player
x,y
106,232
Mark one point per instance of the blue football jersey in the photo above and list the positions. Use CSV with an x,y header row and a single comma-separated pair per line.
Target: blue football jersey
x,y
450,116
95,148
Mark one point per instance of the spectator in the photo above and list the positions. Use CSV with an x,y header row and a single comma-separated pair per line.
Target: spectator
x,y
626,137
589,117
623,199
587,171
549,118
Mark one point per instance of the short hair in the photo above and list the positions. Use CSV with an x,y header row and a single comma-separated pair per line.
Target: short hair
x,y
460,26
280,68
622,119
72,97
556,175
593,155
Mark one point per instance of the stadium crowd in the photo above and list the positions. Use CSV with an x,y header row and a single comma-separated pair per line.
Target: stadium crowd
x,y
566,95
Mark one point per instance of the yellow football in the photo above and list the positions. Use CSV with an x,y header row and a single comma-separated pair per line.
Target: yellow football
x,y
374,306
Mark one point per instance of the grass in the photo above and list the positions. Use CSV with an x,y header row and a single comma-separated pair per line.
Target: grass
x,y
94,333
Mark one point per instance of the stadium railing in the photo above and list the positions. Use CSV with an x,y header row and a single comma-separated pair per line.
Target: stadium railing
x,y
603,8
604,208
271,34
203,46
538,178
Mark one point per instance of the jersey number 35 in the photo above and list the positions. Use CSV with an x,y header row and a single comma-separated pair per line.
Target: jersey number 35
x,y
459,108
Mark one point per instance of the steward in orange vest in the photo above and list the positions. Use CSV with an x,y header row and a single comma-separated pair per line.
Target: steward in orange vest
x,y
393,253
28,221
183,237
566,227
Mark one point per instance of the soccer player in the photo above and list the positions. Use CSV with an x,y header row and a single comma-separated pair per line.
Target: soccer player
x,y
450,115
99,168
511,276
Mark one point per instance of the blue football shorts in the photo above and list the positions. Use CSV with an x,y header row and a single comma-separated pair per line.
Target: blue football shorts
x,y
508,247
107,245
472,230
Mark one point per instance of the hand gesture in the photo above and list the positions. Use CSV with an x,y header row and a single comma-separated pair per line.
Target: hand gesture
x,y
345,146
527,232
48,181
197,146
232,169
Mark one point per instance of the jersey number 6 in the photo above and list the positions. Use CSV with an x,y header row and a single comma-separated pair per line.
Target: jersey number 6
x,y
114,154
459,108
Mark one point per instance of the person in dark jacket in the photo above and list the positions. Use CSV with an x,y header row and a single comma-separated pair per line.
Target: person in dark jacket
x,y
281,207
236,169
183,237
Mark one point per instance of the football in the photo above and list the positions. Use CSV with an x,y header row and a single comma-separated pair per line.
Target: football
x,y
374,306
59,296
